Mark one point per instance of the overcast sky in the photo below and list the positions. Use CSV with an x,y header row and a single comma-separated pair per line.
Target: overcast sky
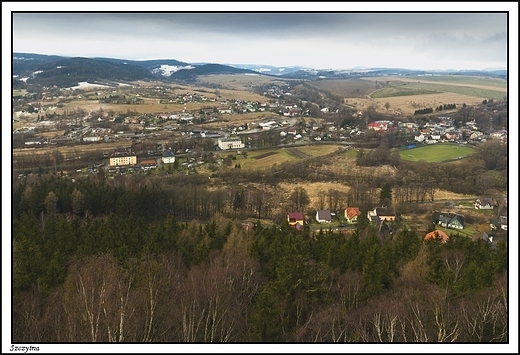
x,y
336,40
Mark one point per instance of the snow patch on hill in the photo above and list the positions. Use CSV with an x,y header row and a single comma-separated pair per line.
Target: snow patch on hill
x,y
168,70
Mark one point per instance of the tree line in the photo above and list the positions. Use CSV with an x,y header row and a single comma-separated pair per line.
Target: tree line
x,y
125,279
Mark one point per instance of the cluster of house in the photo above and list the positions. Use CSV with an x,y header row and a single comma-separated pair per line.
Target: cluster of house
x,y
382,126
351,214
381,215
442,237
445,130
130,160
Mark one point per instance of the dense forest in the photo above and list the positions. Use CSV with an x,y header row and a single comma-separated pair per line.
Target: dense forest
x,y
101,262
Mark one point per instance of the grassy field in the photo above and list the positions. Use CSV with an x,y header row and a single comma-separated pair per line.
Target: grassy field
x,y
407,94
476,81
239,81
265,158
399,91
436,152
482,92
454,80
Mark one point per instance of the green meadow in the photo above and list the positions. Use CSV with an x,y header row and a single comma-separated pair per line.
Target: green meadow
x,y
436,152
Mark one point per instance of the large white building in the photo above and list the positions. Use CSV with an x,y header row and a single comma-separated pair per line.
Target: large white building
x,y
123,161
230,143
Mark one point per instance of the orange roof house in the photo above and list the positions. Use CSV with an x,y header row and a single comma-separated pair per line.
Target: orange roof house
x,y
437,234
351,214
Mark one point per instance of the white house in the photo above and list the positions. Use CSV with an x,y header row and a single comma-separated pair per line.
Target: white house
x,y
420,138
91,139
168,157
484,203
230,143
323,216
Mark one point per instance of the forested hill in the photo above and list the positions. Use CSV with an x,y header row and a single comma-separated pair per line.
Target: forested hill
x,y
71,71
208,69
67,72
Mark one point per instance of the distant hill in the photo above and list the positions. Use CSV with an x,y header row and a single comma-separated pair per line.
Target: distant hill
x,y
48,70
26,63
71,71
161,67
270,69
43,70
209,69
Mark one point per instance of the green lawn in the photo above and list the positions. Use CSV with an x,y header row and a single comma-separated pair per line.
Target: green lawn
x,y
461,79
436,152
461,90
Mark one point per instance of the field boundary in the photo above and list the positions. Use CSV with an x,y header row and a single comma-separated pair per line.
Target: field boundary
x,y
264,155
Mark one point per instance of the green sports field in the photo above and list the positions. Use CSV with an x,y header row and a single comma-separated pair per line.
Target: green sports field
x,y
437,152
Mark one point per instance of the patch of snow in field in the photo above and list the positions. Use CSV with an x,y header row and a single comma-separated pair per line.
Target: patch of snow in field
x,y
84,85
168,70
21,79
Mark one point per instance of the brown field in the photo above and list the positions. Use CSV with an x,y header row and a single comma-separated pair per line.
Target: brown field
x,y
314,190
404,104
425,79
149,106
345,87
94,147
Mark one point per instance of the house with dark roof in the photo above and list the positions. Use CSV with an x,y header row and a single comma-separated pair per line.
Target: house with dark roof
x,y
457,222
498,223
384,231
323,216
448,220
299,227
373,217
168,157
484,203
381,214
